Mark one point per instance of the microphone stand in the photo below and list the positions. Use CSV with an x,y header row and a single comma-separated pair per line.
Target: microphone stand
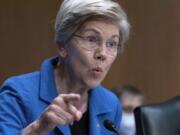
x,y
110,126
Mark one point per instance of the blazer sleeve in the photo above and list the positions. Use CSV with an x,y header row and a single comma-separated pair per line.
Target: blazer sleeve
x,y
12,112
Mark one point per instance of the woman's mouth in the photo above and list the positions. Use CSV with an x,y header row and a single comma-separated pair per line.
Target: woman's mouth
x,y
97,71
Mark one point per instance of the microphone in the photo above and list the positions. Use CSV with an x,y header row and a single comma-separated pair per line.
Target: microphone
x,y
110,126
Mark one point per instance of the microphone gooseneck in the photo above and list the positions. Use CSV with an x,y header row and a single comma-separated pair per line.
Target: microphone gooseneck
x,y
110,126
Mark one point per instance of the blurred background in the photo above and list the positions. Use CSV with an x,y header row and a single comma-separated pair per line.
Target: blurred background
x,y
150,61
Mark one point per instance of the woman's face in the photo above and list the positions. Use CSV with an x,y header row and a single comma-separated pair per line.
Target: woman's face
x,y
91,52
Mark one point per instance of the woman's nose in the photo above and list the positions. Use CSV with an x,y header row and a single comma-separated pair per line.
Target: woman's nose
x,y
100,52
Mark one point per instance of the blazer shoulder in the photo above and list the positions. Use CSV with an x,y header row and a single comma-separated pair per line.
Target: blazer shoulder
x,y
21,83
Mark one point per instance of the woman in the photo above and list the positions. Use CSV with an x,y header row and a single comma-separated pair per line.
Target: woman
x,y
65,96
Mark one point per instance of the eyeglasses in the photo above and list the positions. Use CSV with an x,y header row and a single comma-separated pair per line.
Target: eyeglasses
x,y
91,43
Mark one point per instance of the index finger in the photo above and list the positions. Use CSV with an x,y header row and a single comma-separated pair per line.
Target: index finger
x,y
70,97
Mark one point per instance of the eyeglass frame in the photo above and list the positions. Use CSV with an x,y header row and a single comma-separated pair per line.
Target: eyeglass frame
x,y
98,43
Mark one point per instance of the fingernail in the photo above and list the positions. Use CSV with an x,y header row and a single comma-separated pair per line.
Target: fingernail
x,y
79,115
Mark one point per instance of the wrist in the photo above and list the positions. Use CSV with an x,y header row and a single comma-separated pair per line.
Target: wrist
x,y
33,129
38,128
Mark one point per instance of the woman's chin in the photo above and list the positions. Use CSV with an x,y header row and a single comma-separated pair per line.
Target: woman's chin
x,y
94,83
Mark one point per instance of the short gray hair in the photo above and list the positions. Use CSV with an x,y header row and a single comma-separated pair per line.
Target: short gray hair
x,y
73,13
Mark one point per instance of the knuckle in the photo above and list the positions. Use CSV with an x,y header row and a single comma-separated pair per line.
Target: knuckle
x,y
58,100
49,115
62,122
72,109
70,118
52,107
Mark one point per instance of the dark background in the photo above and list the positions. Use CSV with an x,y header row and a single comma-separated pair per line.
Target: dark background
x,y
151,60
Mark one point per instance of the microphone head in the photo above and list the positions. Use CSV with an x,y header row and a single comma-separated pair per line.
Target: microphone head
x,y
110,126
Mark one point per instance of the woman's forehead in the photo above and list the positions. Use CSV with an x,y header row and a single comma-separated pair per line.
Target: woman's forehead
x,y
97,26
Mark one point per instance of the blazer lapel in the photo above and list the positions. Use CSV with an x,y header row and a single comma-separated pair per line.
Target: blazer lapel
x,y
63,130
48,91
97,109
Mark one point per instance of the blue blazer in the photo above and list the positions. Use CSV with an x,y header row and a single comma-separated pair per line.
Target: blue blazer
x,y
23,98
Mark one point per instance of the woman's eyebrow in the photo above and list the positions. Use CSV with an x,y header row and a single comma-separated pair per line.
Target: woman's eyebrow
x,y
115,36
96,32
90,30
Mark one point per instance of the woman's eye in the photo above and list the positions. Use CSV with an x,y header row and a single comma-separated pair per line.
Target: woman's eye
x,y
91,39
113,44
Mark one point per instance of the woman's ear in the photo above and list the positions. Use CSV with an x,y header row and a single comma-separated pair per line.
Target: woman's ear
x,y
61,50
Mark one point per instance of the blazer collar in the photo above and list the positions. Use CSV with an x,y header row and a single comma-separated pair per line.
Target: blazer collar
x,y
47,88
98,101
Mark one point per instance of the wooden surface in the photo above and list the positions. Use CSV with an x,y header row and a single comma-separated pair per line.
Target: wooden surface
x,y
151,60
